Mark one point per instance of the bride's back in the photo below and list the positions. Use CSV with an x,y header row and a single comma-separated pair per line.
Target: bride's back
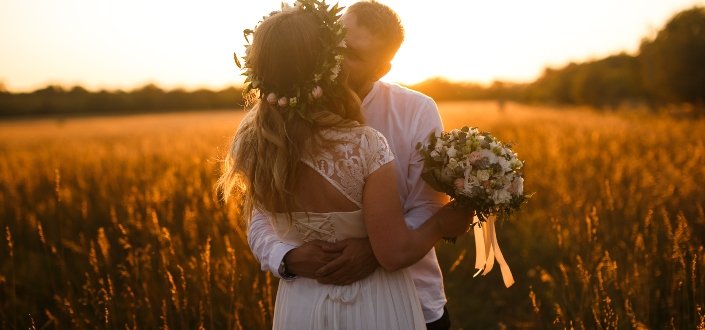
x,y
332,178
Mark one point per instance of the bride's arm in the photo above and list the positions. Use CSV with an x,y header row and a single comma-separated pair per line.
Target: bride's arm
x,y
395,245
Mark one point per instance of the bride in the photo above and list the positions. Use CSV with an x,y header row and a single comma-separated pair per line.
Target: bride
x,y
303,156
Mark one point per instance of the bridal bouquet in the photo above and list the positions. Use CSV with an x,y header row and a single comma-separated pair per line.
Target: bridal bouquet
x,y
476,170
481,173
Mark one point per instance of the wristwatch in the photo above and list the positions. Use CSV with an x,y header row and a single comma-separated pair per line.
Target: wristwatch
x,y
284,273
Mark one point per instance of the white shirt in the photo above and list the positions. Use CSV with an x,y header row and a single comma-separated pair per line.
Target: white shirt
x,y
405,118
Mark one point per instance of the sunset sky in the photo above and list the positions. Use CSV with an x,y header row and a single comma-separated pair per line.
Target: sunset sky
x,y
189,44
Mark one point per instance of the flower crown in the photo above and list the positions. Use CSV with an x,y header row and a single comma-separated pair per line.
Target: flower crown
x,y
307,92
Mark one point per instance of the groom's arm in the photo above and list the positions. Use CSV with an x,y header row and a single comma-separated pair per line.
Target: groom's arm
x,y
265,244
302,260
423,201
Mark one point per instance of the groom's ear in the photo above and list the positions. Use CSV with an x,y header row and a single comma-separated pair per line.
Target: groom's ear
x,y
383,69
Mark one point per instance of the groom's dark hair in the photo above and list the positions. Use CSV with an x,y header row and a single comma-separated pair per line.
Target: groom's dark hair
x,y
382,22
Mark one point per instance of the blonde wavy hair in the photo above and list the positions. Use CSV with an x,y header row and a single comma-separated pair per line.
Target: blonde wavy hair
x,y
264,156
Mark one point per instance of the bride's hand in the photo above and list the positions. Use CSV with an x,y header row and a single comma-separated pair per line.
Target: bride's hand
x,y
455,221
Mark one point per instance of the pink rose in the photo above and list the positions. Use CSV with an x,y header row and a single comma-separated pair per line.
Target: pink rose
x,y
473,157
317,92
272,98
283,101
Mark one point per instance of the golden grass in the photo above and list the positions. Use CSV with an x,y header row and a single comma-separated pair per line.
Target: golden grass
x,y
112,222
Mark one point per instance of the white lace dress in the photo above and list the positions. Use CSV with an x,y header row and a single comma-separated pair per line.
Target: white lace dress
x,y
383,300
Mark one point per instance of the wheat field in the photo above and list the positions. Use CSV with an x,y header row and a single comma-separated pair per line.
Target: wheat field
x,y
112,223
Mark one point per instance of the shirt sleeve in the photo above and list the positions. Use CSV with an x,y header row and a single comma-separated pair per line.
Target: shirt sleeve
x,y
265,244
422,201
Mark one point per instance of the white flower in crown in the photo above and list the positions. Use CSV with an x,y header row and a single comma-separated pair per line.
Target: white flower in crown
x,y
334,72
324,76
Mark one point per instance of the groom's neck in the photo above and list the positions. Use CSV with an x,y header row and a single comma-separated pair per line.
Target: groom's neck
x,y
364,90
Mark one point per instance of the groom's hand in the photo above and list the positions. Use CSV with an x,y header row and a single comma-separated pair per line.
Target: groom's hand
x,y
455,221
356,261
306,259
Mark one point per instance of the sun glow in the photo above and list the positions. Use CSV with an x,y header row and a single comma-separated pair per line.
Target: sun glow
x,y
189,44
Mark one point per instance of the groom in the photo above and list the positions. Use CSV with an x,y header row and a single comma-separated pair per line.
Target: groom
x,y
404,117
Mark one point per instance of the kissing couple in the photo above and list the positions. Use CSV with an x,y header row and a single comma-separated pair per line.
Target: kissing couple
x,y
325,162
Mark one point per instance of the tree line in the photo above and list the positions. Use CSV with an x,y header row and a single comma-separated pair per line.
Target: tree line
x,y
668,69
55,100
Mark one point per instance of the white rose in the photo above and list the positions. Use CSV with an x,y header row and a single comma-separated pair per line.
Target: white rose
x,y
452,163
483,175
520,185
484,153
453,136
504,163
473,181
452,152
504,181
501,196
435,154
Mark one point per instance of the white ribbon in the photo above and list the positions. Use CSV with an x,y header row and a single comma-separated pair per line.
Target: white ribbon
x,y
487,248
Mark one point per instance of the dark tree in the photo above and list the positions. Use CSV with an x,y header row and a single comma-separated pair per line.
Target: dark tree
x,y
673,64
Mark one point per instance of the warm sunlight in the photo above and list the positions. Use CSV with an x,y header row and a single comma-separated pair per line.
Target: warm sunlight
x,y
143,185
187,44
